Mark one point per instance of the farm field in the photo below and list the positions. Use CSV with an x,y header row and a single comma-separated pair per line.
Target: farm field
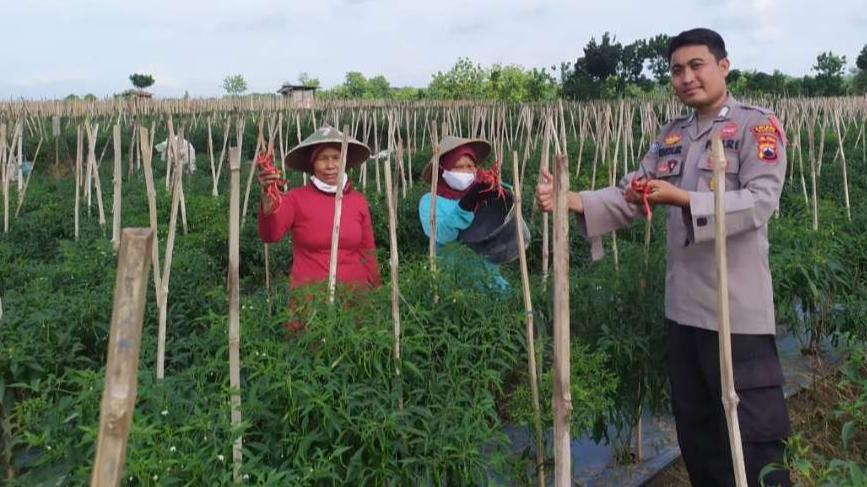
x,y
325,406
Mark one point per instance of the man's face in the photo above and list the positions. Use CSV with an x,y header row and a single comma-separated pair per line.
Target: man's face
x,y
698,79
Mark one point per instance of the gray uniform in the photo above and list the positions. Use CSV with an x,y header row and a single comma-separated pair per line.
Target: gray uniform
x,y
755,153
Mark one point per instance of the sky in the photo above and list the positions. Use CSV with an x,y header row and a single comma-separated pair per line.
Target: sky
x,y
58,47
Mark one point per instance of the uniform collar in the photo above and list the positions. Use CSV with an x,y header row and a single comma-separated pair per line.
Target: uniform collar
x,y
725,113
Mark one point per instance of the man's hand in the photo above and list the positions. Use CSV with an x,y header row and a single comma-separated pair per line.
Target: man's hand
x,y
664,193
545,194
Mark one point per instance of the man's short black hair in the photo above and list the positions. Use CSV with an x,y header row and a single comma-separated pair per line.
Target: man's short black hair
x,y
699,37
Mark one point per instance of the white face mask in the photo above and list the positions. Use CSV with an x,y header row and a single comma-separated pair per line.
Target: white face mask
x,y
325,187
459,181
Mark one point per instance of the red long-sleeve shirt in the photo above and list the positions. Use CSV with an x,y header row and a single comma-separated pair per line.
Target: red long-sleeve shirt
x,y
308,214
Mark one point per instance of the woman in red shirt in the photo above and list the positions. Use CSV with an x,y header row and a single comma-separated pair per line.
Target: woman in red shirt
x,y
307,213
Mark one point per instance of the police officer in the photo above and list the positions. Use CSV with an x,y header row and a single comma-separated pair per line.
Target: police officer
x,y
678,171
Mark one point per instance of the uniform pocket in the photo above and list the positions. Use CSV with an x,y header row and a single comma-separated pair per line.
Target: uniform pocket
x,y
669,167
705,176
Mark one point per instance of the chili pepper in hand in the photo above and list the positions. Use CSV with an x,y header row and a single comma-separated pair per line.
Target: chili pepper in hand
x,y
642,187
265,161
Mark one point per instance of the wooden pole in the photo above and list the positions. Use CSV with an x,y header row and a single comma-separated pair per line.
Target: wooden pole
x,y
163,292
234,305
121,372
530,330
147,153
729,395
118,182
77,178
390,196
842,153
562,400
543,164
338,206
5,168
23,192
93,171
435,171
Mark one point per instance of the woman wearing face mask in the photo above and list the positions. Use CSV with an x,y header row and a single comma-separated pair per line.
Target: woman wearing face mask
x,y
307,213
459,194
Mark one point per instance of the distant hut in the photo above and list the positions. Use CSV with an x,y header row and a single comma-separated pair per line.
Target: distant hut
x,y
300,94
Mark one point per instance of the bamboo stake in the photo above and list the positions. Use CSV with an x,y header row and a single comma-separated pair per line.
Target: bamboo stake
x,y
5,168
845,174
77,178
118,182
93,171
27,183
338,206
211,155
729,395
163,294
259,147
227,125
435,171
147,153
234,306
390,197
562,400
121,373
544,165
530,330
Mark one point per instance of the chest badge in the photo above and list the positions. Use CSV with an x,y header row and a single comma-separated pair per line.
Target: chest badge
x,y
728,130
673,138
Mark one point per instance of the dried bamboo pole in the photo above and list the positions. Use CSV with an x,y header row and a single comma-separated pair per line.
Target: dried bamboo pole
x,y
338,207
842,153
234,305
121,373
530,330
259,147
93,171
163,294
77,178
227,125
391,197
729,395
5,166
118,183
376,148
544,166
435,168
562,400
23,192
147,153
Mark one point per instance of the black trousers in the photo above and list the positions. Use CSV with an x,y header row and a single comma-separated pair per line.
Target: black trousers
x,y
702,432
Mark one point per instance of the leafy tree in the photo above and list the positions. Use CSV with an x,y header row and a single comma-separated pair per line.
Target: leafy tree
x,y
234,84
305,80
355,85
378,88
861,61
656,54
464,80
829,80
142,81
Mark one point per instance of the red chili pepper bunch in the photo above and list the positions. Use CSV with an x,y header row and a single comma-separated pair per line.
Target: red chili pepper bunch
x,y
265,161
491,177
642,186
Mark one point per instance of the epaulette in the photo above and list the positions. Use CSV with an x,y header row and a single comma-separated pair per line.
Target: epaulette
x,y
762,110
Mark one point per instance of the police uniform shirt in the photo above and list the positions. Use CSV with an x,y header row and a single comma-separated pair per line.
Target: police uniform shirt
x,y
754,147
